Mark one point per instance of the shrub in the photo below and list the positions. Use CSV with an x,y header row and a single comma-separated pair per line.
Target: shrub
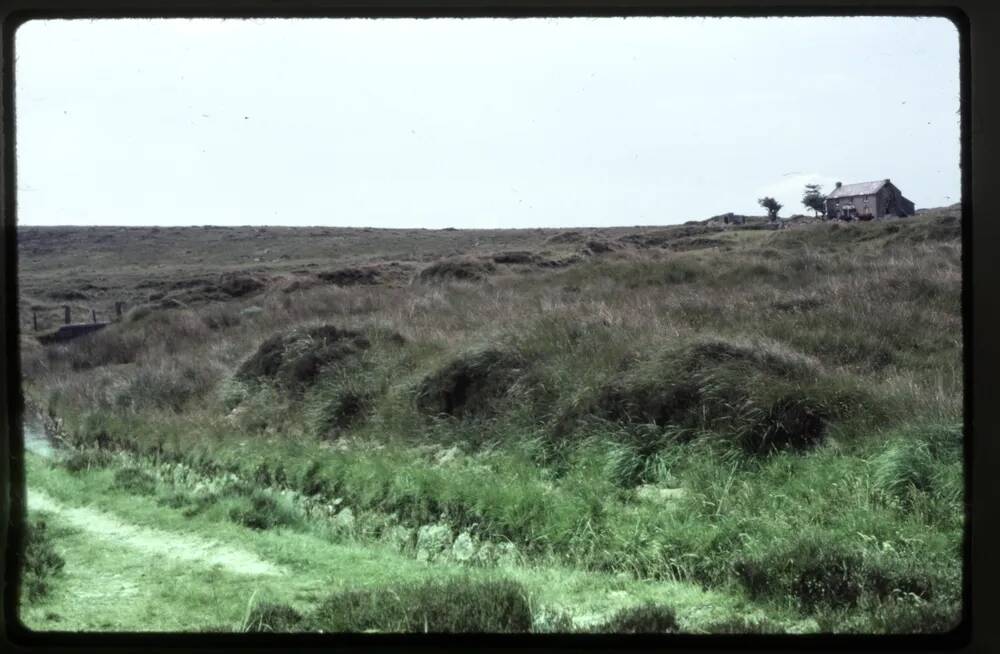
x,y
41,561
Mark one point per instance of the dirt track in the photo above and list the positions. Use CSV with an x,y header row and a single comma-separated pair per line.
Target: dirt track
x,y
175,546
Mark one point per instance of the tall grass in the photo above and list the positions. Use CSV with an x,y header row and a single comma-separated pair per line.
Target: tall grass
x,y
42,563
803,388
458,605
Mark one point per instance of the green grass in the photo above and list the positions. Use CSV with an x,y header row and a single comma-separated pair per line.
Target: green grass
x,y
438,606
826,550
127,588
775,417
42,561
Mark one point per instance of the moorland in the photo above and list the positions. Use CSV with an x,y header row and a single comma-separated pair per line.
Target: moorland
x,y
700,428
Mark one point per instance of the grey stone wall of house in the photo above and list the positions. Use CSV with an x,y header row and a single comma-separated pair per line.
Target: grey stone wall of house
x,y
887,200
864,205
894,203
883,201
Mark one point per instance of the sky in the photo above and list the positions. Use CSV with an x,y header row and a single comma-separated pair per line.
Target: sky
x,y
475,123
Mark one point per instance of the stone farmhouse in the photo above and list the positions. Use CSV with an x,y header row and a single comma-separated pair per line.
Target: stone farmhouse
x,y
867,201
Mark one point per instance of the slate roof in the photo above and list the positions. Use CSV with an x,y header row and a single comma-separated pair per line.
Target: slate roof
x,y
861,188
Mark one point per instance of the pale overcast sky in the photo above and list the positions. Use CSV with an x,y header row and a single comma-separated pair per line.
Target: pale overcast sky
x,y
475,123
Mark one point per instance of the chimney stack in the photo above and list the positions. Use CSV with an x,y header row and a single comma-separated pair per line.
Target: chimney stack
x,y
837,184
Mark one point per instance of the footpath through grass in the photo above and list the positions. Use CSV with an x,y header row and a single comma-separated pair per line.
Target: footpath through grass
x,y
127,581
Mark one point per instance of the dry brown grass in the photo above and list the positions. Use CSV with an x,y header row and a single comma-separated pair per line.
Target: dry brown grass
x,y
871,307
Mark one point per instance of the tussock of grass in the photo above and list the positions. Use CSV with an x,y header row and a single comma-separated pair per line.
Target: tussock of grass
x,y
41,561
345,409
458,605
271,617
296,359
766,396
920,470
170,386
743,625
471,384
642,619
830,570
903,468
262,510
447,606
86,459
135,481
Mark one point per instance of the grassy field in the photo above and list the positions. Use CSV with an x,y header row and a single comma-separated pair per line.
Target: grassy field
x,y
699,428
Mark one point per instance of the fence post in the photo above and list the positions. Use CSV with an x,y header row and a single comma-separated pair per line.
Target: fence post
x,y
118,308
34,319
93,315
66,314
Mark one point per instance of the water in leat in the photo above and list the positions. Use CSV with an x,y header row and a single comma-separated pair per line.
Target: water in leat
x,y
36,440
